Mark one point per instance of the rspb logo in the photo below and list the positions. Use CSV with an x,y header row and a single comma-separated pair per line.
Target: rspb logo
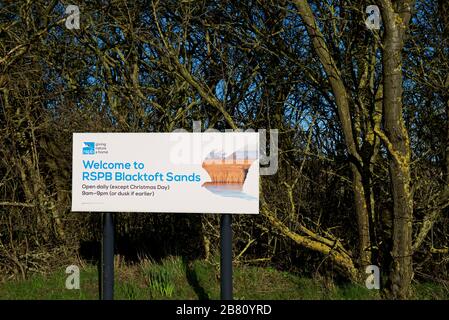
x,y
89,148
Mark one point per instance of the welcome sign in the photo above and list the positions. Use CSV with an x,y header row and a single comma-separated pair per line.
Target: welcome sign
x,y
208,172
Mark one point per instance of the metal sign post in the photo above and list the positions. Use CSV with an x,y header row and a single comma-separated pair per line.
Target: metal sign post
x,y
226,257
107,258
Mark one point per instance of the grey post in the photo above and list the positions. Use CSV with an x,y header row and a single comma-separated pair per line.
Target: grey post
x,y
226,257
107,258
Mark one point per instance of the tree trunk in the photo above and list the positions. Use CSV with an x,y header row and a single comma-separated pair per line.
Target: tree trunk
x,y
398,144
330,248
342,101
363,220
447,138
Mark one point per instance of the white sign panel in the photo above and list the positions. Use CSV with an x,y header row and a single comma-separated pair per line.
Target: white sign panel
x,y
166,172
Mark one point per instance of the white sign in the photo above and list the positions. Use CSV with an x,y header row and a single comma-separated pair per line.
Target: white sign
x,y
166,172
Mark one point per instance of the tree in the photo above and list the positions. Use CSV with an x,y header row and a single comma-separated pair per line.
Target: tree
x,y
396,17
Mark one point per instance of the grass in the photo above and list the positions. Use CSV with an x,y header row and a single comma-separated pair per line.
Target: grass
x,y
174,278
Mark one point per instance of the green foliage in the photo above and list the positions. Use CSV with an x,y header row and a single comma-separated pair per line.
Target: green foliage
x,y
129,291
160,277
159,281
169,280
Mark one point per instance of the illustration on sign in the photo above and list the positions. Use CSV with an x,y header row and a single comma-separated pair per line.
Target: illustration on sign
x,y
228,173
